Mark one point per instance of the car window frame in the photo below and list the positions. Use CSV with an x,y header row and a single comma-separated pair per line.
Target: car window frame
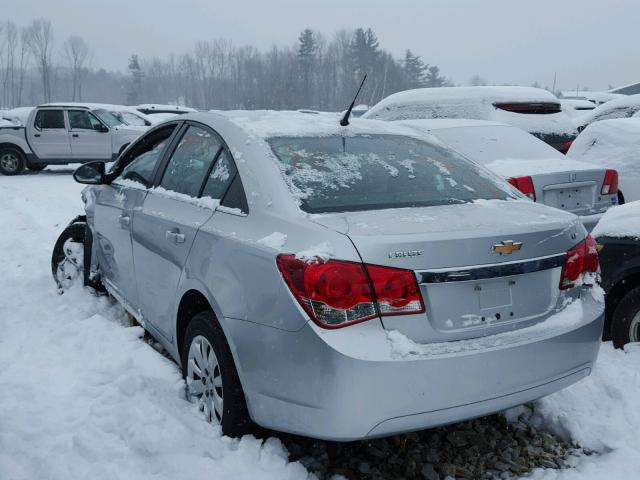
x,y
64,120
120,164
163,164
72,129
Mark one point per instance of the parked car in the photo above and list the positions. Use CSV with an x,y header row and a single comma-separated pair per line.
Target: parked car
x,y
535,110
618,236
624,107
613,144
297,269
60,134
576,108
155,108
597,98
539,171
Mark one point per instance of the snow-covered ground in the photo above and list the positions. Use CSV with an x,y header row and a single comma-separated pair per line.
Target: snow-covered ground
x,y
81,396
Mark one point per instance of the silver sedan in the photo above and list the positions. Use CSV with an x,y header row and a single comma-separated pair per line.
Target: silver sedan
x,y
336,282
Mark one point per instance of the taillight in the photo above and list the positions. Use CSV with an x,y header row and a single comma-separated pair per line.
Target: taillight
x,y
580,260
337,293
525,185
564,148
610,184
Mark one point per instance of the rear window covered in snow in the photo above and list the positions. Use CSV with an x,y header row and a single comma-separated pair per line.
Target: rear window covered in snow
x,y
369,172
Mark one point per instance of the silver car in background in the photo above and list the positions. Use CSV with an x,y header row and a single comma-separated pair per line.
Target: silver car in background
x,y
539,171
337,282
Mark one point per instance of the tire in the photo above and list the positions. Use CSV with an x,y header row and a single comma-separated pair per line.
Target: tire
x,y
620,198
37,167
70,258
221,384
12,161
625,323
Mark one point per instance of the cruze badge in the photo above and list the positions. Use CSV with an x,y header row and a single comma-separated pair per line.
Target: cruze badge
x,y
507,247
408,253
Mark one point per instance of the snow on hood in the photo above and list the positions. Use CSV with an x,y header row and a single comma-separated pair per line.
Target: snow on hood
x,y
620,221
610,143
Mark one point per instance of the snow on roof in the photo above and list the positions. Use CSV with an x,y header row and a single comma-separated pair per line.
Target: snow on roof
x,y
270,123
620,221
625,101
598,97
440,123
159,106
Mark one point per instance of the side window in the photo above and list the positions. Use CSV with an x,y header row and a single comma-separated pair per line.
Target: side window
x,y
83,120
220,177
49,119
190,161
142,159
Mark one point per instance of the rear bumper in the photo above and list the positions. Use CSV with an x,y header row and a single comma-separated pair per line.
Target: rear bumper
x,y
348,384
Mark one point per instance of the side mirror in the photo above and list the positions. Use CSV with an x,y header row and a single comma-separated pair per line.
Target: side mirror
x,y
102,128
90,173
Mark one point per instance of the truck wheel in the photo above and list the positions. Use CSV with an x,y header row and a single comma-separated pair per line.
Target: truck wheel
x,y
12,161
37,167
211,376
625,323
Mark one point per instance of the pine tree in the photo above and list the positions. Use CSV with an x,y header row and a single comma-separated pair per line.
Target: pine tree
x,y
307,57
414,69
433,78
133,97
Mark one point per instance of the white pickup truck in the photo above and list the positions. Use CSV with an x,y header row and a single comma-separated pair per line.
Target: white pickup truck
x,y
56,134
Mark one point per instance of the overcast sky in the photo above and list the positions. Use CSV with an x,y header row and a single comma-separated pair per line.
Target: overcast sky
x,y
587,42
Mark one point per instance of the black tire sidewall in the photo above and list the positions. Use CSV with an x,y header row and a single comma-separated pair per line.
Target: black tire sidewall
x,y
75,231
21,160
235,418
625,311
37,167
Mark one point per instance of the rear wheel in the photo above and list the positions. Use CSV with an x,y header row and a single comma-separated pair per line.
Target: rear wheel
x,y
12,161
211,376
625,323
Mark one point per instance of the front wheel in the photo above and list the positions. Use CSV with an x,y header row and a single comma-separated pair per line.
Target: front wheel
x,y
211,376
625,323
12,161
67,260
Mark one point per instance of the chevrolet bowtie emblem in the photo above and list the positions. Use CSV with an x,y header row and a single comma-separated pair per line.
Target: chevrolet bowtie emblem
x,y
507,247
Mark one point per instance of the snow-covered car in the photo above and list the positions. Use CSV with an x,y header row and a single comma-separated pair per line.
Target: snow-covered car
x,y
624,107
539,171
613,144
534,110
298,269
154,108
618,237
59,134
575,107
597,98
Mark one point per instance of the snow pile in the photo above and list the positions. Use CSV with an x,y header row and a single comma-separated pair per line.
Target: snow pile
x,y
323,251
620,221
276,241
81,395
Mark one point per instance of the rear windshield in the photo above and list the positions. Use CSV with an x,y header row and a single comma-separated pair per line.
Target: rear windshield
x,y
486,144
371,172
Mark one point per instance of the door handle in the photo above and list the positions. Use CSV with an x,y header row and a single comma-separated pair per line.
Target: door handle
x,y
175,236
36,135
74,135
124,220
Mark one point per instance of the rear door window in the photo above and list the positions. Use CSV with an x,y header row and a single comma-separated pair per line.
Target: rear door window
x,y
49,119
369,172
191,161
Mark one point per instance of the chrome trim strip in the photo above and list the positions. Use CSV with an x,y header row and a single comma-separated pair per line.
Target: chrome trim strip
x,y
482,272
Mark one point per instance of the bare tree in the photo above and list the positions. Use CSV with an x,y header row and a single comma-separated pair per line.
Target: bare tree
x,y
41,44
76,52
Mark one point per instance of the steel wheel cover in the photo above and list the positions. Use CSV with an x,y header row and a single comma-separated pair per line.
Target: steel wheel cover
x,y
72,265
204,379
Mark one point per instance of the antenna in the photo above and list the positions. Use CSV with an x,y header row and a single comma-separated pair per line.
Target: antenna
x,y
345,120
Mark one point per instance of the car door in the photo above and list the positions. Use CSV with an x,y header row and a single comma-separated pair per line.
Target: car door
x,y
169,219
114,213
90,138
50,139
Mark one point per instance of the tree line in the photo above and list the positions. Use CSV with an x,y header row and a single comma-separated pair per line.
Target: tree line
x,y
316,72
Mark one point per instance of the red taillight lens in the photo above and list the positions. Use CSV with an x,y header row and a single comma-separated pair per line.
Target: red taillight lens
x,y
581,259
610,184
338,293
564,148
525,185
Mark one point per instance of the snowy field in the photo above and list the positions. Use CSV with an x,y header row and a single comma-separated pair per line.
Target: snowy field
x,y
82,396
